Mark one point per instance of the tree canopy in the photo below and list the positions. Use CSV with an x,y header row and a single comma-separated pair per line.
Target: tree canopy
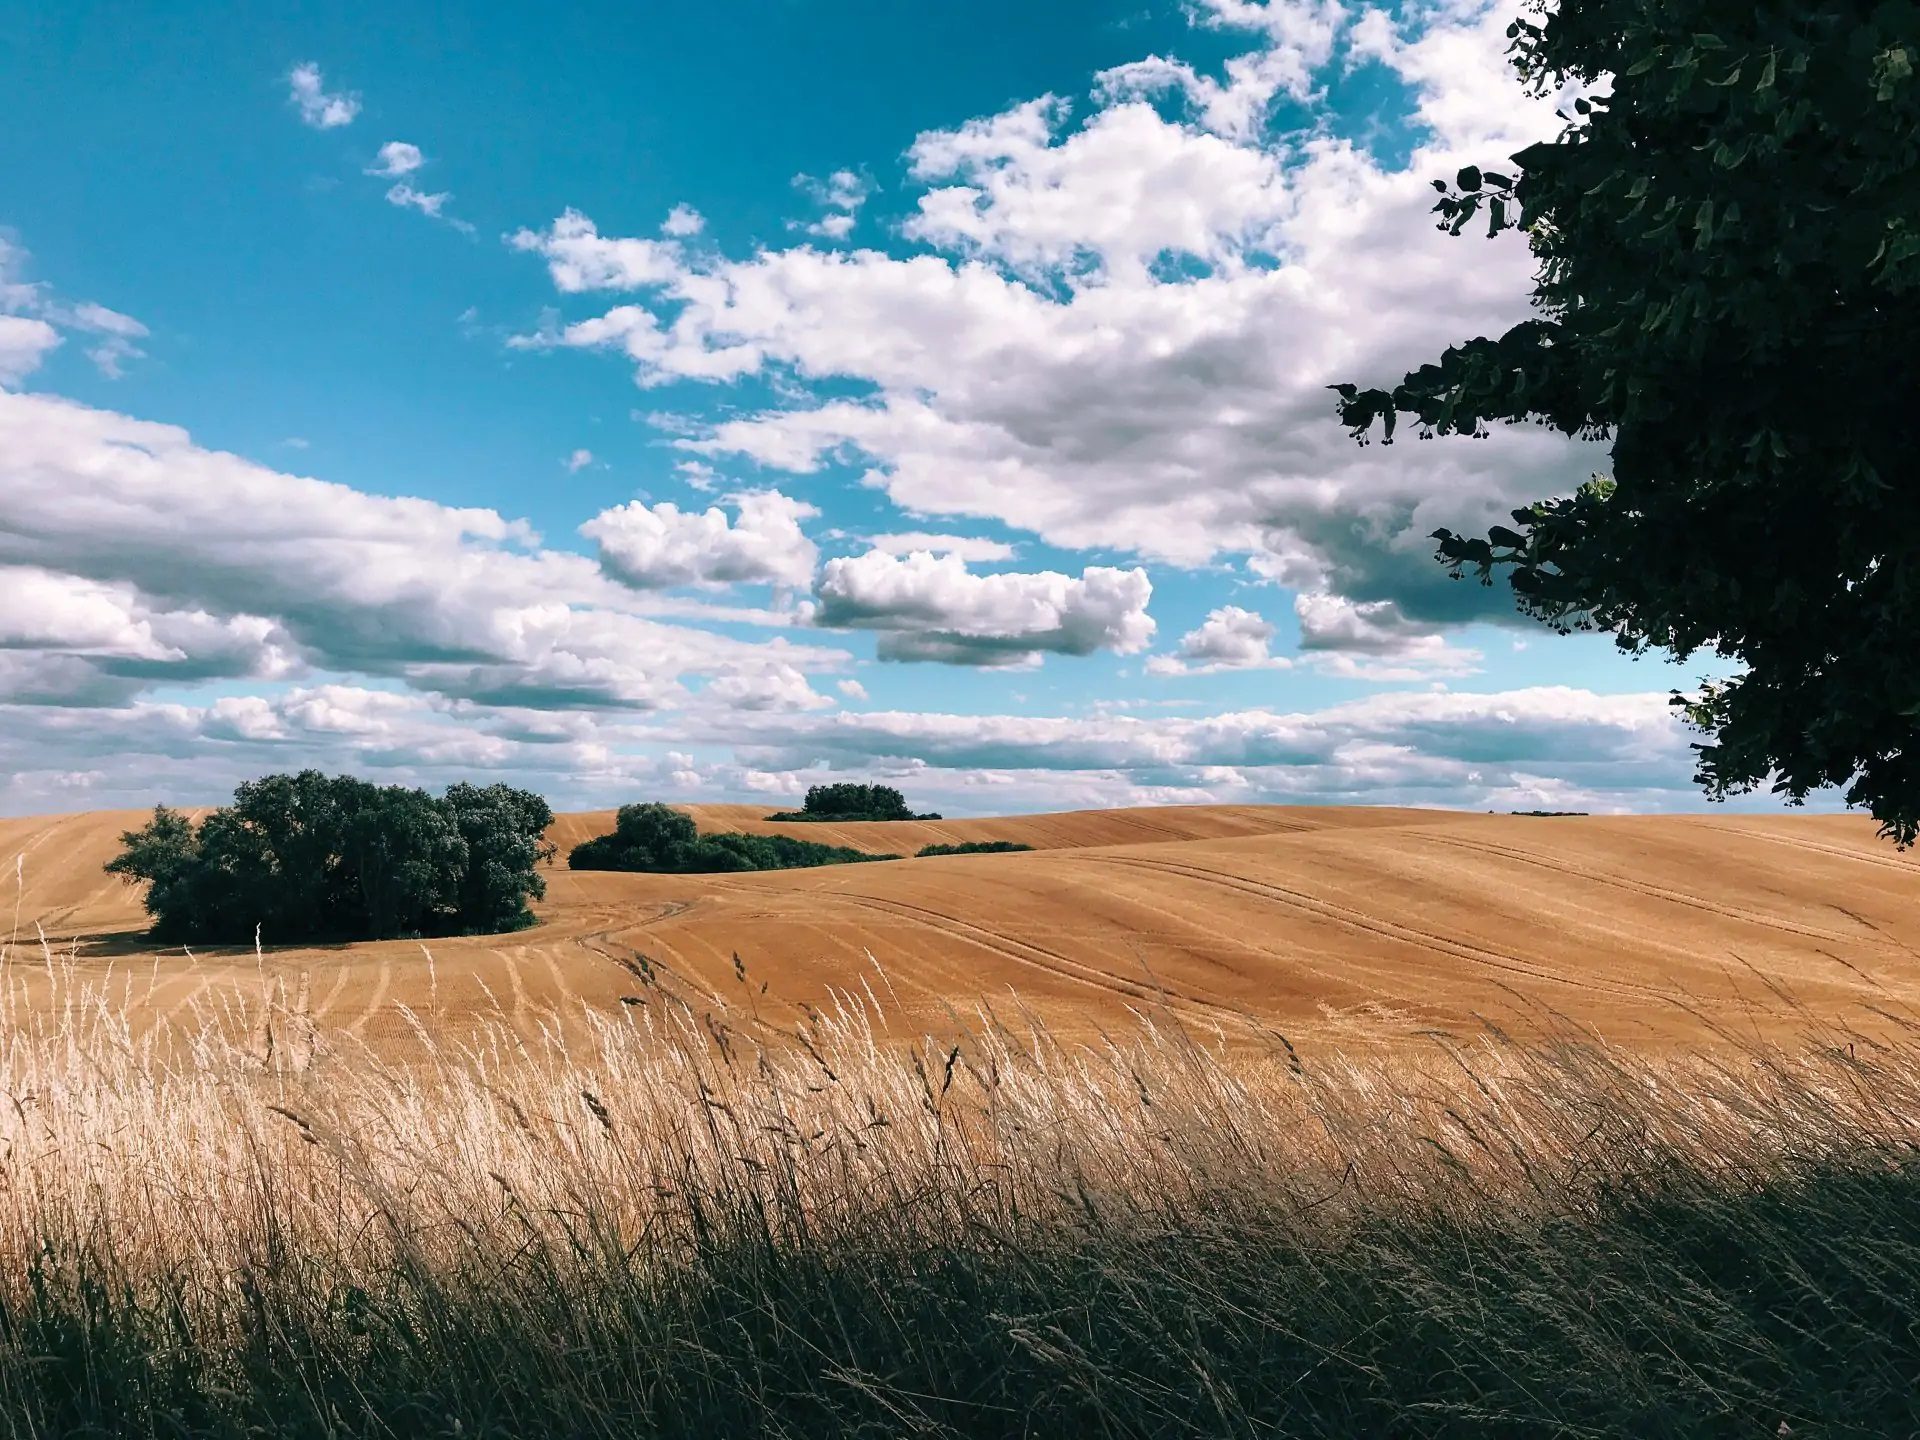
x,y
1728,244
318,857
659,839
847,801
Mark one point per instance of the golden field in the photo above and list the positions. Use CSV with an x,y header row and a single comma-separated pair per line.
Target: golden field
x,y
1329,925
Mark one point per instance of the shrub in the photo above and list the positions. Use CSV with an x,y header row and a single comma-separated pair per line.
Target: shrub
x,y
658,839
973,847
853,802
317,857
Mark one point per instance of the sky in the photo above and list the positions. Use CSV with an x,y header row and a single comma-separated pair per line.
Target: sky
x,y
655,401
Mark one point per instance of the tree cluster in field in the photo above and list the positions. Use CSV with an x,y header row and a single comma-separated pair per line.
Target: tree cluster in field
x,y
973,847
853,802
659,839
312,857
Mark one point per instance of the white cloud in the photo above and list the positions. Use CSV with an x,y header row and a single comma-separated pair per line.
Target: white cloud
x,y
974,549
852,689
1373,640
1616,741
32,317
655,546
697,474
931,607
154,558
839,197
578,461
132,636
24,343
396,158
1124,339
1229,639
306,91
1301,35
770,687
579,259
683,221
117,333
433,205
1123,190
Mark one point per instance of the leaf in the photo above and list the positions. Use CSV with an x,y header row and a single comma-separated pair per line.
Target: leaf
x,y
1469,178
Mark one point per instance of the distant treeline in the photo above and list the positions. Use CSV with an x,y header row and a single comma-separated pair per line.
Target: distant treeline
x,y
312,857
852,802
1548,814
974,847
659,839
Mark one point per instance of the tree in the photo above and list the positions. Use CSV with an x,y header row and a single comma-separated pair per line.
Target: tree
x,y
504,831
317,857
659,839
848,801
652,837
406,858
1728,245
165,854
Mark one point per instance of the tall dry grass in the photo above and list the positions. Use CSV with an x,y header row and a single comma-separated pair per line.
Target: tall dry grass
x,y
688,1219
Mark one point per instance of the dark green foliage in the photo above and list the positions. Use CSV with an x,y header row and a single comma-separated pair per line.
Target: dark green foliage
x,y
780,852
1775,1306
659,839
974,847
853,802
504,831
1729,254
316,857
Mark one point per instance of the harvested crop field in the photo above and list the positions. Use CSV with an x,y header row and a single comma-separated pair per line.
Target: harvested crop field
x,y
1330,925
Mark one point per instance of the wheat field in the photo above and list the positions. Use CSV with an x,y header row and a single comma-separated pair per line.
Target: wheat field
x,y
843,1185
1337,926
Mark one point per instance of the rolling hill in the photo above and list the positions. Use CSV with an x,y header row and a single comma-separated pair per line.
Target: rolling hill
x,y
1329,924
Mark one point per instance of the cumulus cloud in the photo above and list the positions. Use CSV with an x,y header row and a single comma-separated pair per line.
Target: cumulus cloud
x,y
652,547
579,258
683,221
852,689
1374,640
1454,741
153,557
396,158
32,318
1230,638
769,687
1121,331
1300,36
24,343
839,197
931,607
307,93
974,549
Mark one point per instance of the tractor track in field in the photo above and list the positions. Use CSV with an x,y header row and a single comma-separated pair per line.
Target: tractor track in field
x,y
1397,931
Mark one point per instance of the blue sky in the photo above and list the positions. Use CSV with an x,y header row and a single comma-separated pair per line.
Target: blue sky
x,y
701,402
